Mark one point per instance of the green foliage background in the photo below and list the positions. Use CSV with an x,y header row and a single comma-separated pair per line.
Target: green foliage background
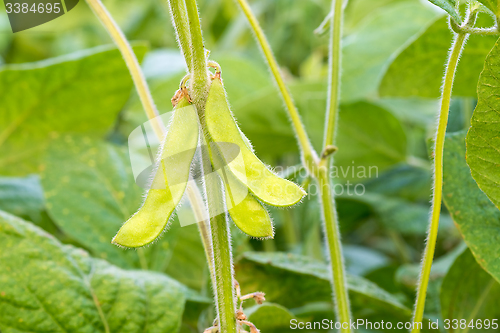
x,y
67,106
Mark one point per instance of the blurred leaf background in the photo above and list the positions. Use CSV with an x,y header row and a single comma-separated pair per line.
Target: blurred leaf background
x,y
67,106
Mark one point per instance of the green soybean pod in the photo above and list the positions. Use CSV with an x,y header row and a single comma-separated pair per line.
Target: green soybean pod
x,y
169,182
245,210
249,170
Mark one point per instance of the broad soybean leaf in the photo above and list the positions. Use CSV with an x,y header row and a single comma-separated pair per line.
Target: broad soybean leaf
x,y
371,46
418,69
475,215
48,287
79,93
469,293
483,145
292,281
90,192
449,7
271,318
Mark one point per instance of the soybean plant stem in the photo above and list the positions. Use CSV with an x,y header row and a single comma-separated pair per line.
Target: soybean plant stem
x,y
451,67
332,234
318,169
334,67
149,107
199,73
331,223
221,240
179,18
310,159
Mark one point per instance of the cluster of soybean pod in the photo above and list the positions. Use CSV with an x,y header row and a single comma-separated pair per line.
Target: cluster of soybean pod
x,y
248,183
246,175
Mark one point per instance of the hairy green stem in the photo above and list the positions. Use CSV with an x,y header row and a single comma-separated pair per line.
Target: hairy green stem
x,y
308,153
334,67
199,74
223,281
332,234
331,223
451,67
221,243
148,104
221,240
179,17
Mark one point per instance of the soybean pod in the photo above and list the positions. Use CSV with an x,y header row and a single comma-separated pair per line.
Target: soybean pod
x,y
169,181
248,169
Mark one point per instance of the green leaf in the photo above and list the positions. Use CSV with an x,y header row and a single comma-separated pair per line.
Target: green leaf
x,y
483,154
469,293
90,192
79,93
448,6
474,214
270,318
369,49
418,69
293,281
48,287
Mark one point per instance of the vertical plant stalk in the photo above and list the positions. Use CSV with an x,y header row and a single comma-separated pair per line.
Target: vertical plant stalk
x,y
331,222
221,240
318,169
199,73
142,88
179,18
334,67
437,196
